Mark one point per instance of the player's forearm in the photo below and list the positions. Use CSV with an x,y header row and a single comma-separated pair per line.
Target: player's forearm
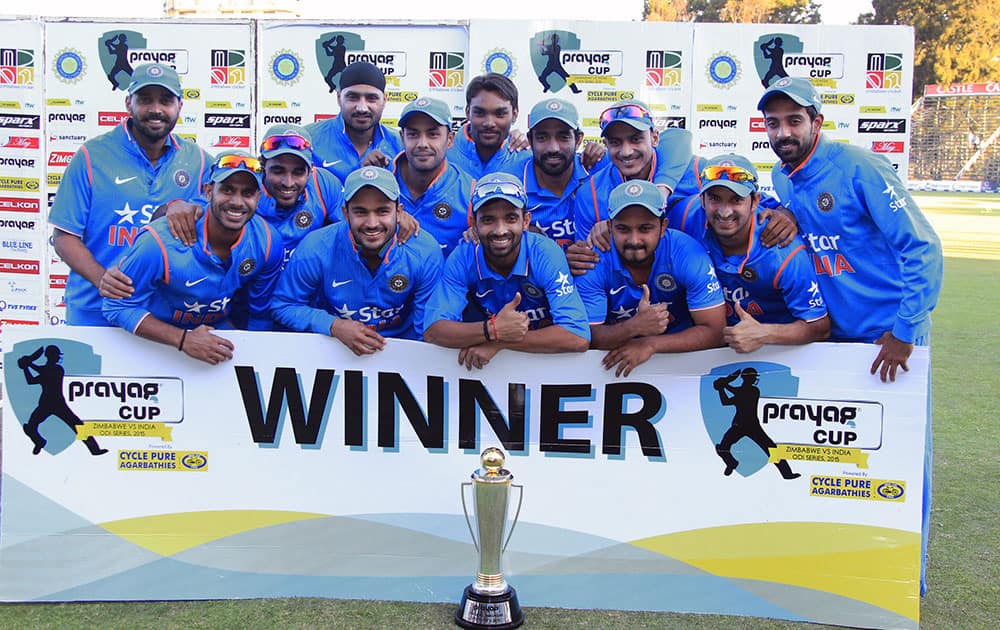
x,y
698,337
798,332
550,339
302,318
159,331
610,336
451,334
74,253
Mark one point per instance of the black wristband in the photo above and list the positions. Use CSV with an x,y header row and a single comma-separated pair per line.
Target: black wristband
x,y
184,335
486,330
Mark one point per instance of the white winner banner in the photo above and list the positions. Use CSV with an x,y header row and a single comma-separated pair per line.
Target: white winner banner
x,y
785,483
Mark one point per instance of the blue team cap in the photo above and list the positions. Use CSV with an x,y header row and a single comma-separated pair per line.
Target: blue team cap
x,y
287,140
556,109
630,111
232,162
499,186
374,176
155,74
732,171
636,192
796,88
431,107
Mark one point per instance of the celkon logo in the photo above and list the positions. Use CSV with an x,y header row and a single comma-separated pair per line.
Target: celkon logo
x,y
17,162
17,204
232,141
20,142
237,121
757,125
9,265
881,125
60,158
58,281
70,117
319,117
718,124
110,119
887,146
12,121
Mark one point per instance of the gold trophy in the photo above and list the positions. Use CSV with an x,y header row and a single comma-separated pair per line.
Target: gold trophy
x,y
490,602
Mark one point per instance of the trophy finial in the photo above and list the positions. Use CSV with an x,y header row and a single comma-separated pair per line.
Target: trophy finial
x,y
492,460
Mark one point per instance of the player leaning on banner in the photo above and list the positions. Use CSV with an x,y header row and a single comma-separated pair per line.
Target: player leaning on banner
x,y
115,182
354,280
356,136
182,292
877,258
655,290
511,290
772,296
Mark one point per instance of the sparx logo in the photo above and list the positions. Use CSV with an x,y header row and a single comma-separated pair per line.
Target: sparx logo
x,y
228,67
559,61
121,50
884,72
59,395
446,70
17,67
779,55
753,417
663,68
338,49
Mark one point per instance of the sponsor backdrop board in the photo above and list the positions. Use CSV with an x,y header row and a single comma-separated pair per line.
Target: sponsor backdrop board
x,y
864,75
88,69
591,64
336,476
300,65
22,159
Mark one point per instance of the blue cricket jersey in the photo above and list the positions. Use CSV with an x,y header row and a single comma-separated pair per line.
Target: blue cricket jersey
x,y
109,191
682,277
471,288
188,286
445,208
463,154
877,258
553,215
320,203
326,278
333,151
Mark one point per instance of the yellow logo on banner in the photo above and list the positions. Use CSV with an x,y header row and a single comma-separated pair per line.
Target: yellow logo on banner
x,y
830,83
586,78
191,94
392,80
764,166
608,96
161,460
837,99
53,179
57,102
709,107
857,488
808,453
829,125
394,96
218,105
14,104
274,104
124,429
19,184
872,109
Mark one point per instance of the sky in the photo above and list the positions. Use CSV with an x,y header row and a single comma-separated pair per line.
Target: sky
x,y
833,11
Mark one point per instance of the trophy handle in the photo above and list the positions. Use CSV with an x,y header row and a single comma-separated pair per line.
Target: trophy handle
x,y
465,511
520,498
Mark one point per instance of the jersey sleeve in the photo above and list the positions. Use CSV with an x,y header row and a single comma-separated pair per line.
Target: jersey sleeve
x,y
71,207
587,209
451,295
673,154
796,279
565,306
593,293
146,263
260,289
331,193
432,260
299,285
696,273
915,242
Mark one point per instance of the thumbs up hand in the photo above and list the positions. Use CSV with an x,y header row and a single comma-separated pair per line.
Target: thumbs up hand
x,y
748,334
650,319
510,324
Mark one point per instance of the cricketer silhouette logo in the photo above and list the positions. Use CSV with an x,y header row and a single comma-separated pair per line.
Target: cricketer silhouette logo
x,y
559,61
59,396
112,49
780,55
338,49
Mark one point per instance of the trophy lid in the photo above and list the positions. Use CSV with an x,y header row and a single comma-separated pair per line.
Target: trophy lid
x,y
492,460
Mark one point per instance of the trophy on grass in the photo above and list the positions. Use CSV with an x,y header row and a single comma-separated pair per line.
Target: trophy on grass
x,y
490,602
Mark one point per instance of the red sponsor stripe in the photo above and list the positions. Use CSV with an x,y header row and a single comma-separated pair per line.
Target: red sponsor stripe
x,y
18,204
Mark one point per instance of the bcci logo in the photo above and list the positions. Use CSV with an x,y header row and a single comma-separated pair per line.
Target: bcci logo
x,y
228,67
884,72
500,61
446,70
285,68
663,68
69,65
337,50
723,70
17,67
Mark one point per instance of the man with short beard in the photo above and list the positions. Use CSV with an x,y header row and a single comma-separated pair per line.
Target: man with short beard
x,y
356,136
116,181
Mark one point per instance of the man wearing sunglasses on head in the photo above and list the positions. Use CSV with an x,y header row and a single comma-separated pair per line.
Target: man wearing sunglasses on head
x,y
116,181
183,292
354,280
356,136
655,290
511,290
771,292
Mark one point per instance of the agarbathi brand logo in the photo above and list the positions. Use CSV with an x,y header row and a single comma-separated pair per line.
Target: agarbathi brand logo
x,y
17,67
779,55
59,395
69,65
559,61
884,72
121,50
753,416
446,70
338,49
663,68
228,67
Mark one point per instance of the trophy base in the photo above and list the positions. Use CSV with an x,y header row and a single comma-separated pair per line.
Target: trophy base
x,y
497,612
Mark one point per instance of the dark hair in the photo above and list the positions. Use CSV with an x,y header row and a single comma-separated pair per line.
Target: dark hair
x,y
492,82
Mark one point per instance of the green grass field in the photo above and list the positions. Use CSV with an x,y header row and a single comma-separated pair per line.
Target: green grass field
x,y
965,543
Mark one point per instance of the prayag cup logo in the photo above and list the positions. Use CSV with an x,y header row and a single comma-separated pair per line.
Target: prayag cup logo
x,y
59,396
121,50
336,50
559,61
780,55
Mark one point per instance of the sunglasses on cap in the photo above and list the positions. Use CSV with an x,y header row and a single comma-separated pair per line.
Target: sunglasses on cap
x,y
509,189
251,164
628,112
730,173
296,143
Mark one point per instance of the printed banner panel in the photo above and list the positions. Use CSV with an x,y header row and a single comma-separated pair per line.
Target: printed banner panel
x,y
300,65
785,483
